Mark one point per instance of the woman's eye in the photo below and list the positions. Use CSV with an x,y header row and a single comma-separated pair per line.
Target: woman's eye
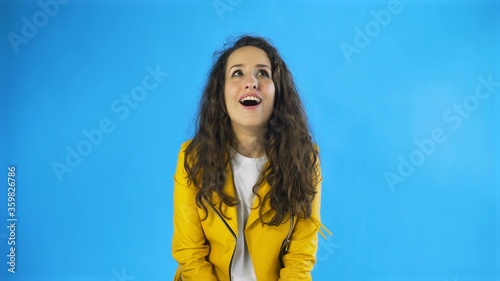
x,y
237,73
263,73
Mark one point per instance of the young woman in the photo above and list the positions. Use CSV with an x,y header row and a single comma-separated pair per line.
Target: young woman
x,y
247,186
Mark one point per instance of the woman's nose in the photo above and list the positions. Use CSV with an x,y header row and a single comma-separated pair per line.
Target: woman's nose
x,y
251,83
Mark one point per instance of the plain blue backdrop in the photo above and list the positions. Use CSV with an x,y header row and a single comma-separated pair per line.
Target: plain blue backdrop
x,y
402,98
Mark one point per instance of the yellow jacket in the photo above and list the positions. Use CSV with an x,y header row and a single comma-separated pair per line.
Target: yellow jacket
x,y
204,248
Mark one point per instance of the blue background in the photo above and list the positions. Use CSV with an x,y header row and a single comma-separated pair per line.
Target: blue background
x,y
110,218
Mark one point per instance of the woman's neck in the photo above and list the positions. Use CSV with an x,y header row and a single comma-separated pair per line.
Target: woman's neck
x,y
249,143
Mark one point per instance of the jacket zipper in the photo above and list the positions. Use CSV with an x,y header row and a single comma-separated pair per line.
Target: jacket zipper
x,y
292,225
232,232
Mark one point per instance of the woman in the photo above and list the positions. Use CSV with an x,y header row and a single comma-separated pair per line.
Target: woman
x,y
247,186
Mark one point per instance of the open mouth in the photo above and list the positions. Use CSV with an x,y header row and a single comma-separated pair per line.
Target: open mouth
x,y
250,101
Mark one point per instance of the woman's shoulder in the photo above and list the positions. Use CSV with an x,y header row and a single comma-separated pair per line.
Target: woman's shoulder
x,y
185,144
183,148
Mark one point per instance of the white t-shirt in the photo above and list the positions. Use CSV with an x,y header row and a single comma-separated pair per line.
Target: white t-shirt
x,y
246,172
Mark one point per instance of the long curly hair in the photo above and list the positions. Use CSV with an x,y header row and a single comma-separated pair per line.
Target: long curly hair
x,y
293,159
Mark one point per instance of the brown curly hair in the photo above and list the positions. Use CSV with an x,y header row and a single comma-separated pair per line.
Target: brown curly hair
x,y
293,159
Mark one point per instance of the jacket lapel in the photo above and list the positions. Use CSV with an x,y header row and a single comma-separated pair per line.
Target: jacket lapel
x,y
254,213
230,212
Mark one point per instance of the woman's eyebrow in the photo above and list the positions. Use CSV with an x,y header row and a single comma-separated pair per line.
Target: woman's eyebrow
x,y
236,65
263,65
257,65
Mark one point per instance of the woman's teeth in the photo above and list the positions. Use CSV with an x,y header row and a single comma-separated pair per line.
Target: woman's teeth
x,y
250,101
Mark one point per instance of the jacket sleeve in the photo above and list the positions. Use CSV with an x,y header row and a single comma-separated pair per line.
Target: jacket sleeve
x,y
189,247
301,256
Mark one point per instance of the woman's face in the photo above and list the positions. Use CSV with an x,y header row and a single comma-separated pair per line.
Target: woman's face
x,y
249,89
